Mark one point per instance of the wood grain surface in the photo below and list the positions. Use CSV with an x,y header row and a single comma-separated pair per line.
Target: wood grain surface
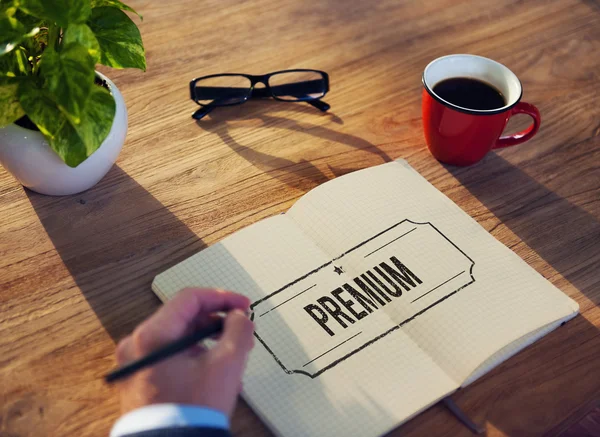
x,y
75,271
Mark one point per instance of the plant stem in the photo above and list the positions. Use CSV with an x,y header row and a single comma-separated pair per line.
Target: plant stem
x,y
53,34
36,66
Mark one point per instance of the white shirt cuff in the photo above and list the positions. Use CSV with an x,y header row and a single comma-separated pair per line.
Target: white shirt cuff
x,y
161,416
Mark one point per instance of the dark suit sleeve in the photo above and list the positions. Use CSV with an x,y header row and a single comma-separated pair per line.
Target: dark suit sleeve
x,y
184,431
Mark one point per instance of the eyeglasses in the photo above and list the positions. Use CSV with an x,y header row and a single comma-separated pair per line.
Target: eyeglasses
x,y
233,89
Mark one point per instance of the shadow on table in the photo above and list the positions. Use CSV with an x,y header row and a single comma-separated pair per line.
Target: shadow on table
x,y
302,175
562,233
566,237
113,239
593,4
547,382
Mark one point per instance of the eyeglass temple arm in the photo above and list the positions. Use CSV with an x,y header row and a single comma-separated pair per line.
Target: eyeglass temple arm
x,y
202,112
319,104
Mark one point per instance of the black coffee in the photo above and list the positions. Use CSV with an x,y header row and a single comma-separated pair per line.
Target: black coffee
x,y
470,93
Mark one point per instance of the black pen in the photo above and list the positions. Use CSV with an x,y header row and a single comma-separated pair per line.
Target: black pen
x,y
165,352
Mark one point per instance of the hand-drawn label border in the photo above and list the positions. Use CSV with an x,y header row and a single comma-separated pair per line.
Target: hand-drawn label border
x,y
349,354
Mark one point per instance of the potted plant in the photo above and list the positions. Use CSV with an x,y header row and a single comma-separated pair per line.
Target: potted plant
x,y
62,124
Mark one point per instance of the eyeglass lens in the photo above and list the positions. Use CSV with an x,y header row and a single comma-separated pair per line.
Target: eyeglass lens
x,y
298,85
222,90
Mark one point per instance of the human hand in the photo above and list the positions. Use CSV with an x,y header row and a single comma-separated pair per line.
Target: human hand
x,y
198,376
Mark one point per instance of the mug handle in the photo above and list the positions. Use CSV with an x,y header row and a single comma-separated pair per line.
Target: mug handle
x,y
524,135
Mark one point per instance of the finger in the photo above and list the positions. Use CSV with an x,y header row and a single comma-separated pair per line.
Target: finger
x,y
196,350
237,338
191,304
176,317
124,352
205,320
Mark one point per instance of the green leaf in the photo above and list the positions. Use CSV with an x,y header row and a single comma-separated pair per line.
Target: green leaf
x,y
119,38
42,110
12,32
61,12
14,64
8,7
69,77
29,21
97,119
115,4
72,143
83,35
10,108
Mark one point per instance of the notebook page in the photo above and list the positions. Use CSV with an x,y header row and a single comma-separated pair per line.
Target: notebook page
x,y
301,379
475,296
257,258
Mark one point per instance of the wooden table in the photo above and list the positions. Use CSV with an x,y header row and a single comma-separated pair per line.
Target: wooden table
x,y
75,271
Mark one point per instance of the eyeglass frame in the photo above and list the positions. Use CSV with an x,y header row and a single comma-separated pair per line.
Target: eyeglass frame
x,y
263,92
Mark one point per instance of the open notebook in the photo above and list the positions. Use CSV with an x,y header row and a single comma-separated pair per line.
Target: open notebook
x,y
374,297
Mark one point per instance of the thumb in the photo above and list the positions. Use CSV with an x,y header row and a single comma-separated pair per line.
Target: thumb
x,y
238,336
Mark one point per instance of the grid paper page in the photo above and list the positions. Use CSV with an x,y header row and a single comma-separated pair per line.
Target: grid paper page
x,y
470,302
300,379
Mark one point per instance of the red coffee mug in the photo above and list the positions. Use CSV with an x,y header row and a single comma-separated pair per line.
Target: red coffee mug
x,y
462,136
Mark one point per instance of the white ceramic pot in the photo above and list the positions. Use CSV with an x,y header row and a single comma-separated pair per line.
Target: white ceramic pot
x,y
26,154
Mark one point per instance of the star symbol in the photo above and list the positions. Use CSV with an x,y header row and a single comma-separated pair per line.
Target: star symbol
x,y
338,270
